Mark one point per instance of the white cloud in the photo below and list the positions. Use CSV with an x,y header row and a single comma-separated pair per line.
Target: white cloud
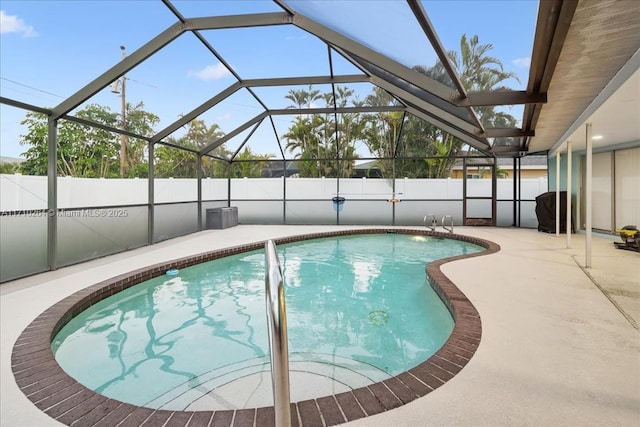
x,y
223,118
522,62
13,24
211,72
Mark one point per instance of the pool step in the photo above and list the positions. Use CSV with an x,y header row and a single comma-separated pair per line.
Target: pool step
x,y
247,384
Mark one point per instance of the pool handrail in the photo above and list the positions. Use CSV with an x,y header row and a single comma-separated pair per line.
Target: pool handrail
x,y
277,326
450,218
431,225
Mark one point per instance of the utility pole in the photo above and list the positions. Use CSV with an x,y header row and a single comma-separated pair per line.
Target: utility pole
x,y
122,90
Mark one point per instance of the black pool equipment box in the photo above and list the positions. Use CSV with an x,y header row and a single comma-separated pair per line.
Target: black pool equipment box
x,y
219,218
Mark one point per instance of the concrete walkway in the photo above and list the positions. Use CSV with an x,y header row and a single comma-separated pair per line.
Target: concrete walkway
x,y
560,344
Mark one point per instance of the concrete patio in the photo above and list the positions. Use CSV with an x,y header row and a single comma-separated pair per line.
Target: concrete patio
x,y
560,344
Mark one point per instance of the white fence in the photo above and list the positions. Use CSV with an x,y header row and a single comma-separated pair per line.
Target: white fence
x,y
105,216
23,192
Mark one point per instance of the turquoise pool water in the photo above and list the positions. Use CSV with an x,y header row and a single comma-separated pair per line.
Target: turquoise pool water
x,y
359,304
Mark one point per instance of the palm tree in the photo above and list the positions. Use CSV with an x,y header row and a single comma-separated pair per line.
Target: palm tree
x,y
319,139
9,167
305,139
313,95
298,97
142,123
478,71
381,131
179,163
481,72
249,165
302,98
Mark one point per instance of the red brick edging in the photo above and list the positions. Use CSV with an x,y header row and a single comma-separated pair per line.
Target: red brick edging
x,y
61,397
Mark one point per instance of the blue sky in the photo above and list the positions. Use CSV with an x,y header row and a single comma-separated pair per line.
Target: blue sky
x,y
51,49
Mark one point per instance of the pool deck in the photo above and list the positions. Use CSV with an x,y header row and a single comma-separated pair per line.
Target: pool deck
x,y
560,345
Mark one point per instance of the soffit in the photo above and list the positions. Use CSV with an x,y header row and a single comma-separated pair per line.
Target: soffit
x,y
602,37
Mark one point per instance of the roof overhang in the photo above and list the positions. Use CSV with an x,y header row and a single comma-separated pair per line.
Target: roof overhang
x,y
595,79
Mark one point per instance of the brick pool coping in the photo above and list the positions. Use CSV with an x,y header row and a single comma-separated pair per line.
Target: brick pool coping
x,y
61,397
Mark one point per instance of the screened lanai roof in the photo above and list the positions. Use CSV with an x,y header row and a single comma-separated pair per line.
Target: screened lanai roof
x,y
234,63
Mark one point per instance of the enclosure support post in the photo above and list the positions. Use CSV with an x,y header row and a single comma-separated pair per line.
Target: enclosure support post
x,y
464,191
558,194
393,191
52,194
515,182
338,192
284,192
569,213
229,166
199,166
494,194
150,196
588,198
519,190
515,189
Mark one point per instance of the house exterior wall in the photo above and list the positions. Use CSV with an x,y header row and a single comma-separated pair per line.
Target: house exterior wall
x,y
525,173
626,209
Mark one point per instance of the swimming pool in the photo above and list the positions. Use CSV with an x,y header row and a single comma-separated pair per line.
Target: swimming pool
x,y
51,389
360,311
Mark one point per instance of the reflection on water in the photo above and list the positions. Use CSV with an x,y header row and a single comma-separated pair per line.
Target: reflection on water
x,y
362,298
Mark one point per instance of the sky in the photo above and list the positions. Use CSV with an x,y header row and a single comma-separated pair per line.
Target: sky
x,y
45,60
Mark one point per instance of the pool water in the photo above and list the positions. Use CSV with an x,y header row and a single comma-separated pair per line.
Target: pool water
x,y
359,310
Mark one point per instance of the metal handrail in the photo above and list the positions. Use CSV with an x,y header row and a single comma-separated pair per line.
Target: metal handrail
x,y
450,230
277,325
432,224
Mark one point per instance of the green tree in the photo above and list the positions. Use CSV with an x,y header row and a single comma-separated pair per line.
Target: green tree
x,y
422,140
199,135
319,140
350,128
140,122
304,140
478,71
485,172
249,165
381,131
83,150
303,98
9,167
176,163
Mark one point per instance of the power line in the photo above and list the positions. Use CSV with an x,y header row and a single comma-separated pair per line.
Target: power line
x,y
31,87
142,83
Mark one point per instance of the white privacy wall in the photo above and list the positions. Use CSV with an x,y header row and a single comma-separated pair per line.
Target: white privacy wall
x,y
24,192
308,200
103,216
21,192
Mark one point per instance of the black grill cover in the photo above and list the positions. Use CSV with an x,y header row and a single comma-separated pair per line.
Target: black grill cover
x,y
546,212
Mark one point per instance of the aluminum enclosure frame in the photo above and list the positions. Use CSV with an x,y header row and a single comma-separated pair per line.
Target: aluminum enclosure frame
x,y
418,94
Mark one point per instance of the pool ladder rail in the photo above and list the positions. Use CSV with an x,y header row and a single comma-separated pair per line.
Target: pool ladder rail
x,y
277,326
431,223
